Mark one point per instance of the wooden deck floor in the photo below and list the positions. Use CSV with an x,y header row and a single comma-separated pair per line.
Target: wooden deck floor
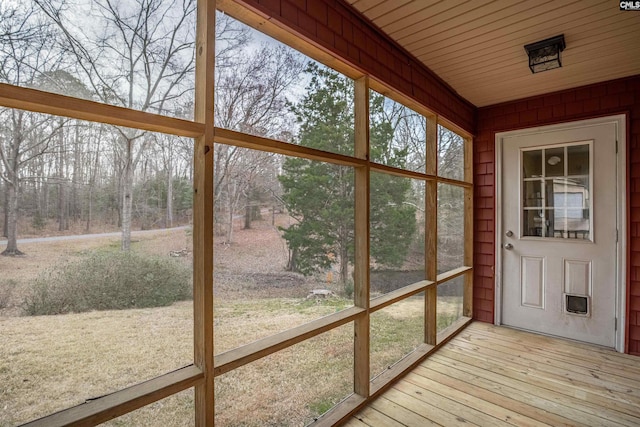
x,y
495,376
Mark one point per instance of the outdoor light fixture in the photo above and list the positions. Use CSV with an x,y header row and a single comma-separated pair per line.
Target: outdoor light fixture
x,y
545,55
554,160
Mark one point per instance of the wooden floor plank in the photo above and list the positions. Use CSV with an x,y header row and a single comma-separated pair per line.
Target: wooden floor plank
x,y
584,409
476,388
354,422
425,409
401,414
561,368
522,394
599,357
623,370
555,369
601,395
555,343
374,418
450,405
497,376
461,394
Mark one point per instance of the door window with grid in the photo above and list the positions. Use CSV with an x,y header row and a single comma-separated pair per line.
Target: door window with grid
x,y
556,199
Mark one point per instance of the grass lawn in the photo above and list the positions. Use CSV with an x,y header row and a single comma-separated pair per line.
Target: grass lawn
x,y
48,363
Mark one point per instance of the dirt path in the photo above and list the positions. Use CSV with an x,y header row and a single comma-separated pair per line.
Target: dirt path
x,y
89,236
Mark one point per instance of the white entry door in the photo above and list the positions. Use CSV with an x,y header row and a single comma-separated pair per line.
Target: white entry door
x,y
559,232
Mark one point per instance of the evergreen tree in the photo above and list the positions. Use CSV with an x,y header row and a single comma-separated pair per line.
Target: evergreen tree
x,y
321,195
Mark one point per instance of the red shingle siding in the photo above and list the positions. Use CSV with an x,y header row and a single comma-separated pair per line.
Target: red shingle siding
x,y
336,27
608,98
483,250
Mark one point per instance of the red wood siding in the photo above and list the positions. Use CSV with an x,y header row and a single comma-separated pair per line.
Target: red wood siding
x,y
608,98
336,27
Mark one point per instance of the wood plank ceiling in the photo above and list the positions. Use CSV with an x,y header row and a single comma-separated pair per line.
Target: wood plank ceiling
x,y
476,46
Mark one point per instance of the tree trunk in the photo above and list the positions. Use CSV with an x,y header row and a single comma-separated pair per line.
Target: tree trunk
x,y
13,186
127,208
67,206
127,196
92,181
45,197
230,228
247,216
293,258
230,204
344,263
75,209
169,216
62,199
5,226
89,207
40,183
118,187
12,219
248,209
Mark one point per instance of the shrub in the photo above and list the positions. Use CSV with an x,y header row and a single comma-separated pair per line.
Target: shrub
x,y
348,289
38,222
6,292
384,281
109,281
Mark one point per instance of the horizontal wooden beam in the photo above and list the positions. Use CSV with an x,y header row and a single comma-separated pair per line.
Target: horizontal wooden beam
x,y
341,411
386,90
240,139
386,379
399,294
406,364
453,127
404,173
113,405
307,46
452,330
454,182
240,356
452,274
82,109
382,382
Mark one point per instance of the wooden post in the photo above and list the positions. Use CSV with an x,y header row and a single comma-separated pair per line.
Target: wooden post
x,y
467,302
203,213
431,232
361,268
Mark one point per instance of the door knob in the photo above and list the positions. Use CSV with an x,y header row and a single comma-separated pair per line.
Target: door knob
x,y
509,233
508,246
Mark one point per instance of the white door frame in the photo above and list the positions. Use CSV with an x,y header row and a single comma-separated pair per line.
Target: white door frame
x,y
621,216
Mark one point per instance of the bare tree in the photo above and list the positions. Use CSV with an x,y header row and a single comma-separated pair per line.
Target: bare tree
x,y
139,54
450,154
24,137
167,146
253,82
450,200
93,166
24,55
